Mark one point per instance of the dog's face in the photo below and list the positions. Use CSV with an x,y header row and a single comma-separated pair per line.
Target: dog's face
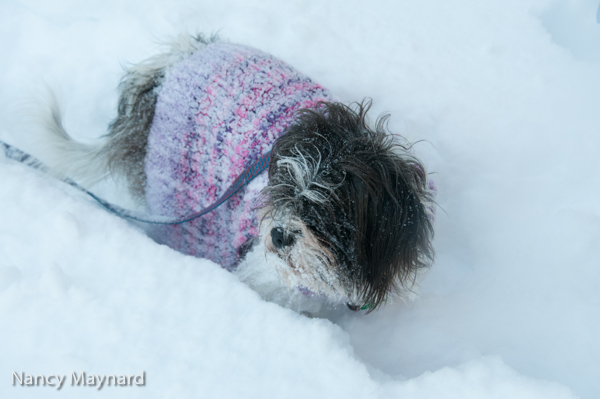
x,y
345,207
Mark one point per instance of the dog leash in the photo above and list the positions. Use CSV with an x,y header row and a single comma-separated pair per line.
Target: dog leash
x,y
241,181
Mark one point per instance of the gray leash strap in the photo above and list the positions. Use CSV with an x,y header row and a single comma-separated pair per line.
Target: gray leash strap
x,y
241,181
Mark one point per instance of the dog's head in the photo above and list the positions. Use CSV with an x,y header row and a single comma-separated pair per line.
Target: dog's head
x,y
346,206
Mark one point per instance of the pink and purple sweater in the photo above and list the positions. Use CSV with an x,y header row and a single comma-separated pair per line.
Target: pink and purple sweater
x,y
217,112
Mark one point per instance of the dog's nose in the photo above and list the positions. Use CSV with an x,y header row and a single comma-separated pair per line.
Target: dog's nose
x,y
279,239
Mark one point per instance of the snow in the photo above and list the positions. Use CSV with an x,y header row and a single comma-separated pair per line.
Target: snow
x,y
503,93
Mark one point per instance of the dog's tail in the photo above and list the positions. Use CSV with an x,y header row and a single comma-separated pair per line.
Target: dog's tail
x,y
124,149
65,156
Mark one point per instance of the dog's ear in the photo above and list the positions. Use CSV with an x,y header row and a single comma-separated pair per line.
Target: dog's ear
x,y
387,196
399,231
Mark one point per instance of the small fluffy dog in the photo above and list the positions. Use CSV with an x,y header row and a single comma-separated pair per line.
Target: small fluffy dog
x,y
344,211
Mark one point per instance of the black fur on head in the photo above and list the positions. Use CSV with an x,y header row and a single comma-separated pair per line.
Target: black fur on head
x,y
363,197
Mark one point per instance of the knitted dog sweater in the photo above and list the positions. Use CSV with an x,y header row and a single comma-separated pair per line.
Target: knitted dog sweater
x,y
217,112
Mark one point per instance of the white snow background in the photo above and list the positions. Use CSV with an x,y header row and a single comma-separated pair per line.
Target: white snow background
x,y
506,95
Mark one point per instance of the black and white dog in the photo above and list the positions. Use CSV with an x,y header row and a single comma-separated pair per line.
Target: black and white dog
x,y
345,209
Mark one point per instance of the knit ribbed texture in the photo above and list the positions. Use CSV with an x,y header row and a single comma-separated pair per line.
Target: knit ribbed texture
x,y
217,112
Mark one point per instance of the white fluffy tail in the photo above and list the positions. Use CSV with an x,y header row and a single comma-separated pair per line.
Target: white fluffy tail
x,y
65,156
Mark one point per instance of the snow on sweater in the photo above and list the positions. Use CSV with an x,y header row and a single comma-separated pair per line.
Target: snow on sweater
x,y
217,112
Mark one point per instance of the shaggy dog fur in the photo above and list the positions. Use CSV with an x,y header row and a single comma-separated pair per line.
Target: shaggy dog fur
x,y
347,209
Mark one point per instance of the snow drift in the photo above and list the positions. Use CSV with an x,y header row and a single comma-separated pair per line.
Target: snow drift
x,y
504,95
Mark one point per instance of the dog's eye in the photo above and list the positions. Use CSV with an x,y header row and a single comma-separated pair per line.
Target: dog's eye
x,y
282,239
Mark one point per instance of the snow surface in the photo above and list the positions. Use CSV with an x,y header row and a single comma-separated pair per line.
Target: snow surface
x,y
505,95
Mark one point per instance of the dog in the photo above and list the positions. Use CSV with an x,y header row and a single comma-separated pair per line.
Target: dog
x,y
345,210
